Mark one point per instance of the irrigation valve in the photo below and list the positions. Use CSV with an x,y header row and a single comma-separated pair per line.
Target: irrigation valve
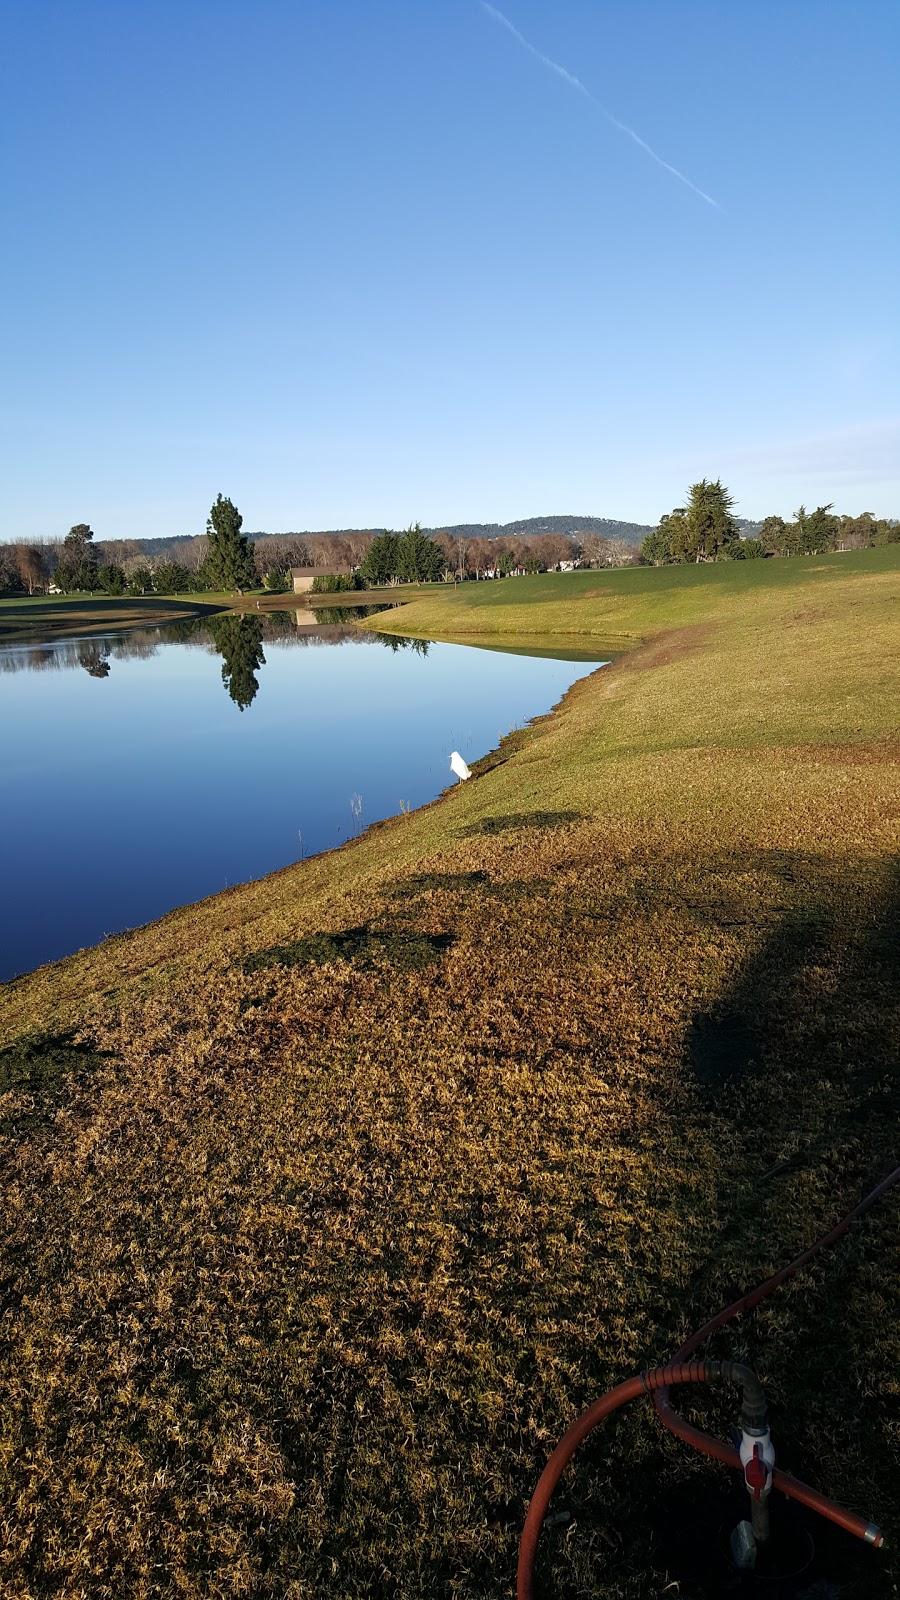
x,y
758,1462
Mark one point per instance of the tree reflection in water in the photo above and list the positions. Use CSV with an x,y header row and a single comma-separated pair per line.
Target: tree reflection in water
x,y
239,643
94,657
237,638
399,641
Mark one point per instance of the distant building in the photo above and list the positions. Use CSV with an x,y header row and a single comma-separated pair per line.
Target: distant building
x,y
302,577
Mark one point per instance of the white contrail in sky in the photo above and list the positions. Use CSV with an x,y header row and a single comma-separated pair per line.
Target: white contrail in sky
x,y
576,83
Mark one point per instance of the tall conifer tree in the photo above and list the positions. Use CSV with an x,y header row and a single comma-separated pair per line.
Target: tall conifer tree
x,y
229,562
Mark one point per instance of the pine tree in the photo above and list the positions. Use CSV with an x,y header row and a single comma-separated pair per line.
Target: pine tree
x,y
709,514
77,567
111,578
381,560
419,559
705,528
229,561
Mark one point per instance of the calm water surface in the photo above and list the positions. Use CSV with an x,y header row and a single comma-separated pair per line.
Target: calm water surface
x,y
145,769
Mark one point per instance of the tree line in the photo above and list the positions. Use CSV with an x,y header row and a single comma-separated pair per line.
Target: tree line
x,y
225,559
705,529
77,565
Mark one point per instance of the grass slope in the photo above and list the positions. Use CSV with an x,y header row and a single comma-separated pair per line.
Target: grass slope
x,y
330,1201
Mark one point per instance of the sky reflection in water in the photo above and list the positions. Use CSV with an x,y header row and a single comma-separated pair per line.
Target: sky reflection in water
x,y
152,767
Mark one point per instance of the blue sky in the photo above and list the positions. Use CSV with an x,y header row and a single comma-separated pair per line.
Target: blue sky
x,y
359,262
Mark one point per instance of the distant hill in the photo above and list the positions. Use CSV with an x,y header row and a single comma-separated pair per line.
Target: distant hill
x,y
608,527
526,527
149,547
311,533
162,545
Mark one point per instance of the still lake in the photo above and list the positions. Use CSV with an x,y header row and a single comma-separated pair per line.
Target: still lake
x,y
148,768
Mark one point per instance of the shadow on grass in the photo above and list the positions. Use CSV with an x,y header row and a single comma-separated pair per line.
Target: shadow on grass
x,y
425,882
521,819
39,1070
798,1059
364,946
817,985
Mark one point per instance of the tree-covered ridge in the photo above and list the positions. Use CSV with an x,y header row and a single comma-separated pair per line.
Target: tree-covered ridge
x,y
27,565
526,527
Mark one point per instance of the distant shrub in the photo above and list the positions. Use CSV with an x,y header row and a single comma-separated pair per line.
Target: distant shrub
x,y
336,583
409,557
277,580
656,549
140,581
111,579
170,577
747,550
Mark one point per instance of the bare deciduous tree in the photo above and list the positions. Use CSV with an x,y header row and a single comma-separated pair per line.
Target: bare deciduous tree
x,y
358,544
31,566
620,553
594,550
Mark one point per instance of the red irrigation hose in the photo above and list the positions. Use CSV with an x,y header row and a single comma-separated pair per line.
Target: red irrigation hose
x,y
681,1370
705,1443
553,1471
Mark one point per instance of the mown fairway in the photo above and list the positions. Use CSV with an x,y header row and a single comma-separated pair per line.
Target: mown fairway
x,y
329,1202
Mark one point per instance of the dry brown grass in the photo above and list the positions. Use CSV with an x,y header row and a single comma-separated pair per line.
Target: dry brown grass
x,y
330,1201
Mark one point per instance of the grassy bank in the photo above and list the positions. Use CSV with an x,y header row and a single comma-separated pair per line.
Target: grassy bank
x,y
632,601
330,1201
60,616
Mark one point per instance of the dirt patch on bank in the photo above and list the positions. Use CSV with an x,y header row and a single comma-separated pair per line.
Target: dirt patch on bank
x,y
665,648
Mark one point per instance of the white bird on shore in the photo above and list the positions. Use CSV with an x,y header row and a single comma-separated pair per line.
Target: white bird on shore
x,y
458,766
